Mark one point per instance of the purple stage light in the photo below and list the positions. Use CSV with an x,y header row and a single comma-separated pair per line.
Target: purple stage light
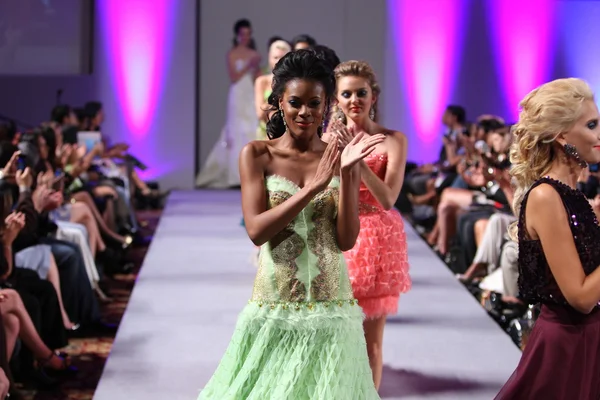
x,y
428,42
138,34
523,42
580,30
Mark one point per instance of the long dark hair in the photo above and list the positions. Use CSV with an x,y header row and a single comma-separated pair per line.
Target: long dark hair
x,y
50,137
9,192
299,64
239,24
6,205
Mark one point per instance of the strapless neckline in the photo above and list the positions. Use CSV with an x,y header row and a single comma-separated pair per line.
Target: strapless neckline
x,y
290,182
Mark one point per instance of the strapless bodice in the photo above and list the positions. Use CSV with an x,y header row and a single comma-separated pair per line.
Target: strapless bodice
x,y
377,163
303,262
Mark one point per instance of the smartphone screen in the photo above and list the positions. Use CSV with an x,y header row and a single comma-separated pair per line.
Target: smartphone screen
x,y
21,163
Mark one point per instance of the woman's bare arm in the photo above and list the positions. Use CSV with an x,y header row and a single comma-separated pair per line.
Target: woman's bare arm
x,y
547,217
386,191
262,223
348,224
259,97
8,255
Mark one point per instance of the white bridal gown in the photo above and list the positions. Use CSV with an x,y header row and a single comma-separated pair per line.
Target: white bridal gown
x,y
221,167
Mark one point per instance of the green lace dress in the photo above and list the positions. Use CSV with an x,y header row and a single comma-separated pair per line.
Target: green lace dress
x,y
301,335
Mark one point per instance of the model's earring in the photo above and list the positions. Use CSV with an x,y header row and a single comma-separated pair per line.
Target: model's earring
x,y
571,151
321,127
372,113
283,119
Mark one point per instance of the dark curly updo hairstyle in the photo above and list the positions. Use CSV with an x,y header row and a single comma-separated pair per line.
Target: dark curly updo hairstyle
x,y
299,64
327,54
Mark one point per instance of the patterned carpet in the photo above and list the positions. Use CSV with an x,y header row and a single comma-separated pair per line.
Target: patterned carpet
x,y
90,354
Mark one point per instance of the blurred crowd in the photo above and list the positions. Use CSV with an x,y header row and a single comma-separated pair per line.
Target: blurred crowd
x,y
69,213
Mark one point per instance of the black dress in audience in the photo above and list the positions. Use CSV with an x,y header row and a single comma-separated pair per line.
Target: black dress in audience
x,y
77,295
591,188
465,244
38,295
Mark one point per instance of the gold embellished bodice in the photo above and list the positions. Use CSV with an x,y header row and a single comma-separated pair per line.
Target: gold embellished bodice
x,y
303,263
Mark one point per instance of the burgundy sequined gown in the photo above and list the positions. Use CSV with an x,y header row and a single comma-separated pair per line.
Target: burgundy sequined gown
x,y
562,358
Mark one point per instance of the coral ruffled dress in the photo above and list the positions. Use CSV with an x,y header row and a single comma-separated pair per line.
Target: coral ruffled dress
x,y
378,262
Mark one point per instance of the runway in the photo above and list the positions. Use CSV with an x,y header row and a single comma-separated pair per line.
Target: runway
x,y
197,276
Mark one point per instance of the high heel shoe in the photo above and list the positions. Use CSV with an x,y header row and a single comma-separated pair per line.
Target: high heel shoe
x,y
102,296
65,364
73,328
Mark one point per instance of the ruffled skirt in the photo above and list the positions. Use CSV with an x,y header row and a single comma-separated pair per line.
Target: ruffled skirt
x,y
295,351
378,263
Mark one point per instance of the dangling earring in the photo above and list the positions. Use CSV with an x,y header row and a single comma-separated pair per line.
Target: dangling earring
x,y
571,151
283,119
321,127
339,115
372,113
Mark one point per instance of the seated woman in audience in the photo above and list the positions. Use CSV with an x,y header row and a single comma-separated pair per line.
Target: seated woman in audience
x,y
478,188
84,209
77,296
37,258
95,115
114,211
480,226
81,209
18,324
17,321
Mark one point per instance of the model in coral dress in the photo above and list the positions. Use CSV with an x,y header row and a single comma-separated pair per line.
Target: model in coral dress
x,y
378,263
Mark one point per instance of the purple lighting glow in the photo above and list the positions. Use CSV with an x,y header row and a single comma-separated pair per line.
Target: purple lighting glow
x,y
427,40
580,32
523,38
137,36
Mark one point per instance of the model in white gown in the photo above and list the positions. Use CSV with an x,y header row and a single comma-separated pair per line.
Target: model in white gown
x,y
221,167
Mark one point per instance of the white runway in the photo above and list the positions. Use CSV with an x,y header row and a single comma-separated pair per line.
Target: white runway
x,y
197,277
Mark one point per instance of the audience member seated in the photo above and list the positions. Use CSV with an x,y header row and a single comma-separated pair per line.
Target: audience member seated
x,y
467,196
67,217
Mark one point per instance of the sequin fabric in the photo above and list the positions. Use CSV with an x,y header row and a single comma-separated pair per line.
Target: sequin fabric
x,y
536,283
303,265
378,262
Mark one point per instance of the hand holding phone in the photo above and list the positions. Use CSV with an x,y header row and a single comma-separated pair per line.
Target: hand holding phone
x,y
21,162
57,183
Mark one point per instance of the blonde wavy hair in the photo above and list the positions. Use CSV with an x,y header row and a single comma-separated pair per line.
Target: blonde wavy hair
x,y
546,112
359,69
280,45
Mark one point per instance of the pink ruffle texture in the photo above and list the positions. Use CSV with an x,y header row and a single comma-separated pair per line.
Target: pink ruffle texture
x,y
378,263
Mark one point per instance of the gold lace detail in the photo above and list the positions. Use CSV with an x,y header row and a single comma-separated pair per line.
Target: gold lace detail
x,y
286,247
322,242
